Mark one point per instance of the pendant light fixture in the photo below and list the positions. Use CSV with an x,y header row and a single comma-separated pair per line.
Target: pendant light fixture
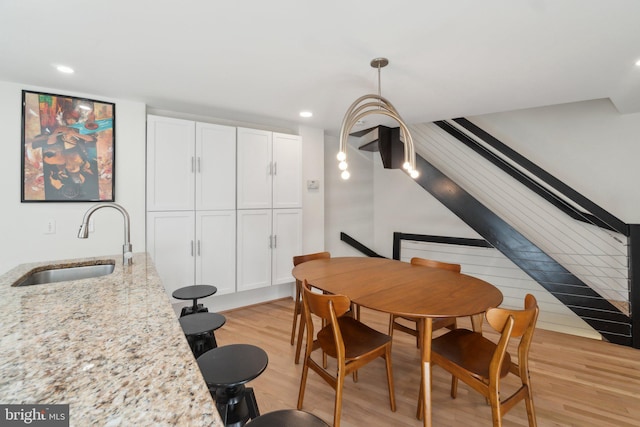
x,y
375,104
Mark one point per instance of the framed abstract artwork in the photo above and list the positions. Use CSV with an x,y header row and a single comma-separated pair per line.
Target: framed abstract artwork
x,y
68,149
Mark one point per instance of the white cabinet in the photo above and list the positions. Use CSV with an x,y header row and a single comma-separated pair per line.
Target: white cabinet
x,y
267,241
170,164
190,248
215,250
224,205
191,191
269,201
215,168
254,169
190,165
287,243
170,237
269,170
254,249
287,171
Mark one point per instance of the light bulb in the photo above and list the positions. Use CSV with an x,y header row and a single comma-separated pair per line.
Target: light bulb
x,y
345,174
407,166
342,166
414,174
341,156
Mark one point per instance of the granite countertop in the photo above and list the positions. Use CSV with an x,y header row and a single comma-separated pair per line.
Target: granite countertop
x,y
111,347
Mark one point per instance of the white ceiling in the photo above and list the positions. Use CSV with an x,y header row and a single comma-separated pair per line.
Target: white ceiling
x,y
257,60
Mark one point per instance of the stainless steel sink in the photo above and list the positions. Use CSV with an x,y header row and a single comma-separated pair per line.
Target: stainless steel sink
x,y
63,273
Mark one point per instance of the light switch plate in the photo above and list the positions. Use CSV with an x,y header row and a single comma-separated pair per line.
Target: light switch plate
x,y
50,226
313,184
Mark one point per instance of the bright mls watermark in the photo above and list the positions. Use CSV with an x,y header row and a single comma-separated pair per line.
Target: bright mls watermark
x,y
34,415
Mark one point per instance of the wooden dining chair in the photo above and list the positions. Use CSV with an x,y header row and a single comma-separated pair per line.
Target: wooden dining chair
x,y
481,363
297,307
414,324
344,338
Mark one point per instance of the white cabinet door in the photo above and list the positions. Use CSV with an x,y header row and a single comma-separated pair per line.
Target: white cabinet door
x,y
171,246
254,169
287,243
287,171
254,249
215,167
216,250
170,164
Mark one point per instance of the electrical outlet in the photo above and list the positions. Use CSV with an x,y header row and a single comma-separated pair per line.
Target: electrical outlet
x,y
50,226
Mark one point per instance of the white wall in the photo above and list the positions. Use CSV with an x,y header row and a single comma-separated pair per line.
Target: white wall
x,y
348,204
23,224
404,206
312,199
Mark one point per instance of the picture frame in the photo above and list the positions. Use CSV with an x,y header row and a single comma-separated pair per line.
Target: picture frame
x,y
68,149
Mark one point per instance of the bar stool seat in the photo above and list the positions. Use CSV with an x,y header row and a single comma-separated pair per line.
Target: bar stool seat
x,y
226,370
193,293
199,329
287,418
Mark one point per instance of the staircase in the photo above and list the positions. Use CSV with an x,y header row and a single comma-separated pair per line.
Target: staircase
x,y
588,303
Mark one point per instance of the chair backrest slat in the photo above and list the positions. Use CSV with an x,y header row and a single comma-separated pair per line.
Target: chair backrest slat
x,y
299,259
435,264
319,303
497,318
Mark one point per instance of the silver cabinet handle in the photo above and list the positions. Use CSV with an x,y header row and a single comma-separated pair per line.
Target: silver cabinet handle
x,y
275,168
198,247
275,241
198,164
193,163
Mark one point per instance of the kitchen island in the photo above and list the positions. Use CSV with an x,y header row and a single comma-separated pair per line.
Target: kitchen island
x,y
111,347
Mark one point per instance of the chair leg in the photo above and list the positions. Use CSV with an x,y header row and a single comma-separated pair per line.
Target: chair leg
x,y
303,382
531,414
337,412
392,392
419,334
391,328
454,386
496,409
420,404
301,328
296,311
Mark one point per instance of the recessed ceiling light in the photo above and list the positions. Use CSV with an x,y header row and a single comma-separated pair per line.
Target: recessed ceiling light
x,y
638,63
306,114
64,69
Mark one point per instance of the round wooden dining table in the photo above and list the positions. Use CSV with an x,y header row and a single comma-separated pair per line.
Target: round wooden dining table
x,y
404,289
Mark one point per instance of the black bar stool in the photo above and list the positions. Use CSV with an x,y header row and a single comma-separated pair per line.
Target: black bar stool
x,y
226,370
193,293
287,418
199,329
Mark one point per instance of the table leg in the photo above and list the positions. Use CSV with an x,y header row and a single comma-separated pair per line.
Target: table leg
x,y
476,322
424,406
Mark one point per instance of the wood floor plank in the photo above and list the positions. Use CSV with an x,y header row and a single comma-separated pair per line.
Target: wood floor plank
x,y
576,381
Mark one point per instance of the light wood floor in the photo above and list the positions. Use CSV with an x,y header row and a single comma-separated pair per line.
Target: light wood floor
x,y
576,381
